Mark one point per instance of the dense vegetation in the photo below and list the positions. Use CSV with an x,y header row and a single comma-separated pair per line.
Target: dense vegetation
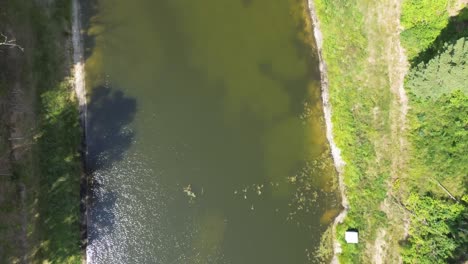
x,y
437,182
433,238
439,134
51,174
60,168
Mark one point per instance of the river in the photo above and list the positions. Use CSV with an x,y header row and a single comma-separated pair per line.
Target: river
x,y
205,133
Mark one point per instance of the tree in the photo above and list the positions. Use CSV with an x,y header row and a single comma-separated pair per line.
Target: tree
x,y
444,73
440,135
432,236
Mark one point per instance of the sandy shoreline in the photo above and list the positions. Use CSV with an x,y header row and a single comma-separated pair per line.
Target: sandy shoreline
x,y
80,91
327,109
78,60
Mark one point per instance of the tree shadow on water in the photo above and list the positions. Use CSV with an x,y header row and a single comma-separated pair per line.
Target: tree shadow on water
x,y
102,216
108,136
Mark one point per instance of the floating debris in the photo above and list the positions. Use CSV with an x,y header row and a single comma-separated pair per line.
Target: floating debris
x,y
259,189
292,179
254,188
307,188
189,192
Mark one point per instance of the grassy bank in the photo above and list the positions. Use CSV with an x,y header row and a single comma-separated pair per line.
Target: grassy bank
x,y
435,189
362,101
47,168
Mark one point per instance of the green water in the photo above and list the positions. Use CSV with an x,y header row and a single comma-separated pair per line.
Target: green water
x,y
205,133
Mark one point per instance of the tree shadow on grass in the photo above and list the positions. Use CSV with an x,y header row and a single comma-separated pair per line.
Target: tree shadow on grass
x,y
456,29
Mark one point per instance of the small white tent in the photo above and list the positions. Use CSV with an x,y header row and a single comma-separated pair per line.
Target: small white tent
x,y
351,237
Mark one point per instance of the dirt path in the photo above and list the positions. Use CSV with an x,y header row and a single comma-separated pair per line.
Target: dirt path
x,y
456,7
383,23
380,246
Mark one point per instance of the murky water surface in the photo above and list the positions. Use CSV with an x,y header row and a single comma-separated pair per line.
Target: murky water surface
x,y
206,139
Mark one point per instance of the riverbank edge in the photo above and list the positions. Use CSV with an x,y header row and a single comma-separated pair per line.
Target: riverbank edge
x,y
80,92
327,110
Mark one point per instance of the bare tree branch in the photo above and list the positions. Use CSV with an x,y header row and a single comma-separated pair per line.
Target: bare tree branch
x,y
10,42
401,205
445,189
